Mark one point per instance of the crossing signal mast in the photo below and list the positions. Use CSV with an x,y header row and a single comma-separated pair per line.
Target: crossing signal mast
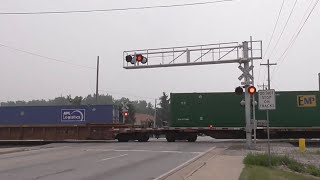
x,y
221,53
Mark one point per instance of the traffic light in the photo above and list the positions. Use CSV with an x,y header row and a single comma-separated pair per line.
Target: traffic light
x,y
136,58
238,90
252,90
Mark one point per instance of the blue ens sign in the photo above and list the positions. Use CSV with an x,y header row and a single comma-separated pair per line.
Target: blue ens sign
x,y
73,114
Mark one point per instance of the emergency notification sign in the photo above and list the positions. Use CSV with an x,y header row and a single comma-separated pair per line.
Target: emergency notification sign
x,y
267,99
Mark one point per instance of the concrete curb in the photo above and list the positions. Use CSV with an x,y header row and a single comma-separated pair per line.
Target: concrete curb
x,y
172,171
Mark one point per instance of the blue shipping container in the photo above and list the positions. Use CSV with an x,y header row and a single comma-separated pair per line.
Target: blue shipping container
x,y
59,115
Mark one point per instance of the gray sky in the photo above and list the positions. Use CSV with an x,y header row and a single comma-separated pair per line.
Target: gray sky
x,y
80,38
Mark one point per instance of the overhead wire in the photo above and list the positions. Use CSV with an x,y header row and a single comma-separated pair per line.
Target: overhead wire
x,y
295,36
114,9
283,29
274,29
45,57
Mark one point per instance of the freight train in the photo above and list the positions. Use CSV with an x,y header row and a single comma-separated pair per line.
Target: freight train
x,y
297,114
219,115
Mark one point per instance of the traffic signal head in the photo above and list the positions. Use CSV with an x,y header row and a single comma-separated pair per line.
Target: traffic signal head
x,y
252,90
238,90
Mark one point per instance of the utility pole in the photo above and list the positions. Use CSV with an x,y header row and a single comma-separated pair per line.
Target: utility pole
x,y
97,83
264,87
319,80
155,113
247,97
268,132
253,100
268,64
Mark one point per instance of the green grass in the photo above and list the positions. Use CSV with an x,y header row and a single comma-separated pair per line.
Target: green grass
x,y
276,160
265,173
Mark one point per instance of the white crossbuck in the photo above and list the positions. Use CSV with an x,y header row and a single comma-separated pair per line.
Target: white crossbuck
x,y
245,72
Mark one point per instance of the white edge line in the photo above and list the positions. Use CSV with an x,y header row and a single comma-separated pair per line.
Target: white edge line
x,y
168,173
138,150
99,150
113,157
156,151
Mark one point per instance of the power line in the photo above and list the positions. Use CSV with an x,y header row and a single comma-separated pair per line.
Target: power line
x,y
283,28
274,29
115,9
45,57
295,36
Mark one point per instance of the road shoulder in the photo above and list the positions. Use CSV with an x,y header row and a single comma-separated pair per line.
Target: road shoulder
x,y
215,164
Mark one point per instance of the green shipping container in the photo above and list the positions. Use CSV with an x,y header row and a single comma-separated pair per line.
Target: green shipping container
x,y
293,109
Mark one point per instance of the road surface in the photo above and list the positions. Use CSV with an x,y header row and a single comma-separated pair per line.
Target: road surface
x,y
95,161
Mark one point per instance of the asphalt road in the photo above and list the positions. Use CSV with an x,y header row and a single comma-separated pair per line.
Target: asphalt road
x,y
97,161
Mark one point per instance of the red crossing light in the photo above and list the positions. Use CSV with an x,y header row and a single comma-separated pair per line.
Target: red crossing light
x,y
139,57
126,114
252,90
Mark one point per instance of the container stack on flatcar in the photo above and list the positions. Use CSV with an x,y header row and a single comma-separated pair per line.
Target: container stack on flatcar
x,y
58,122
297,114
59,115
219,115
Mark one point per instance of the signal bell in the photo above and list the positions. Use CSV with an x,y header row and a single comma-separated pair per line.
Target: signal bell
x,y
136,58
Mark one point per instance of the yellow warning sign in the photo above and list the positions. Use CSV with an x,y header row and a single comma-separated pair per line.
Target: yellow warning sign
x,y
306,101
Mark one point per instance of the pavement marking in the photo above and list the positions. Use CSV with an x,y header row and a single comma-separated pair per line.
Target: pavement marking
x,y
112,157
141,150
99,150
138,150
168,173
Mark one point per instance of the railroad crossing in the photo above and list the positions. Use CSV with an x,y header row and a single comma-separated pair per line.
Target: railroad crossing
x,y
221,53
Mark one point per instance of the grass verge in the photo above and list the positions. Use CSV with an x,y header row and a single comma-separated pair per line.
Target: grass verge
x,y
265,173
277,160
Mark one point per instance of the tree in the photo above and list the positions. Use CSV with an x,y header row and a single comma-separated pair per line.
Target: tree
x,y
76,101
102,99
163,113
143,107
58,101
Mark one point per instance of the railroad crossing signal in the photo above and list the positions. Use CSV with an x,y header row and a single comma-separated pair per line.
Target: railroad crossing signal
x,y
245,72
133,59
124,106
170,57
126,114
238,90
252,90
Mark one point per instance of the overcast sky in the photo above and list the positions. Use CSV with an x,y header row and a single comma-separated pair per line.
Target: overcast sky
x,y
80,38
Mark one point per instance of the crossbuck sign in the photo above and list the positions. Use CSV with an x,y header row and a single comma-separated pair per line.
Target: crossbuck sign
x,y
245,72
125,106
